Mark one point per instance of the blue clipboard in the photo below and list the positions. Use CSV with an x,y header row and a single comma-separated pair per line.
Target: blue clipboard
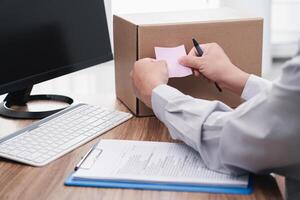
x,y
70,181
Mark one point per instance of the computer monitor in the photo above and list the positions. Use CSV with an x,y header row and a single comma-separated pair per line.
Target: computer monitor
x,y
41,40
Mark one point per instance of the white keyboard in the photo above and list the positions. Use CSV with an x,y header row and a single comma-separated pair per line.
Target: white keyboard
x,y
54,136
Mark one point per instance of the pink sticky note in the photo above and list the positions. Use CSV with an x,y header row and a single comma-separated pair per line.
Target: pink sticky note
x,y
171,56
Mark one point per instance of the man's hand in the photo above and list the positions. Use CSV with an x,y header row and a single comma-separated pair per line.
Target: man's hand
x,y
216,66
147,74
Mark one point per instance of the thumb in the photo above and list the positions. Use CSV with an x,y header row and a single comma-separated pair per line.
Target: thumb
x,y
191,61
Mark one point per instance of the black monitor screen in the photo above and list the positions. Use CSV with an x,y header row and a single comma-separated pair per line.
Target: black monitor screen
x,y
42,39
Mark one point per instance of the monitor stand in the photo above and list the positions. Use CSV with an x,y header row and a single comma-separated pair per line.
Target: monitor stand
x,y
21,97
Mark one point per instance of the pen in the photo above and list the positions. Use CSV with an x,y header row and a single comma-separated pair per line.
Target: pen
x,y
200,53
84,157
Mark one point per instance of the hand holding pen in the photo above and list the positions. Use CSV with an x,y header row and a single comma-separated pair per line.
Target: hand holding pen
x,y
209,68
200,53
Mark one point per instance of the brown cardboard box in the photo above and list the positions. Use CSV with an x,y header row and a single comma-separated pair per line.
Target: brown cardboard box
x,y
136,35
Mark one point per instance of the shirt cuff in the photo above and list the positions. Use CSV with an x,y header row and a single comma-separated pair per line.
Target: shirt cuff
x,y
254,85
160,97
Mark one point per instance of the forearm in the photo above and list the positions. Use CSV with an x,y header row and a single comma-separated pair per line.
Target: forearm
x,y
235,80
243,84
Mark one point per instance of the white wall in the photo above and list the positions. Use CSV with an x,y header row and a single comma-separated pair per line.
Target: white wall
x,y
138,6
108,10
285,27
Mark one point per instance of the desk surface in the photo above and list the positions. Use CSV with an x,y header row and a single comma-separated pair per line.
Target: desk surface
x,y
95,86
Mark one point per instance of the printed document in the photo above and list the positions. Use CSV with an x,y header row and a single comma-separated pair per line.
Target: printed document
x,y
159,162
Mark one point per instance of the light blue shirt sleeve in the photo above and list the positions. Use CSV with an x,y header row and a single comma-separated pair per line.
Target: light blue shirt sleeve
x,y
183,114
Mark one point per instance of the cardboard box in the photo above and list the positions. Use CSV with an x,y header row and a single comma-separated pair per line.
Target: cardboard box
x,y
136,35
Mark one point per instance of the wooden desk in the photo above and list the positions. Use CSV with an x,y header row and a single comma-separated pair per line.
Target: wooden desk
x,y
96,86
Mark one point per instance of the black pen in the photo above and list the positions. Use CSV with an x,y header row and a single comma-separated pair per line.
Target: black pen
x,y
200,53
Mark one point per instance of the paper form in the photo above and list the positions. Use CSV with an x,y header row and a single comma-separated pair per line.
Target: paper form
x,y
171,56
151,162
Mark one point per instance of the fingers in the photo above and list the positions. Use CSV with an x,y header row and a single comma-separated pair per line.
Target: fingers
x,y
162,62
191,61
193,52
196,72
206,46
